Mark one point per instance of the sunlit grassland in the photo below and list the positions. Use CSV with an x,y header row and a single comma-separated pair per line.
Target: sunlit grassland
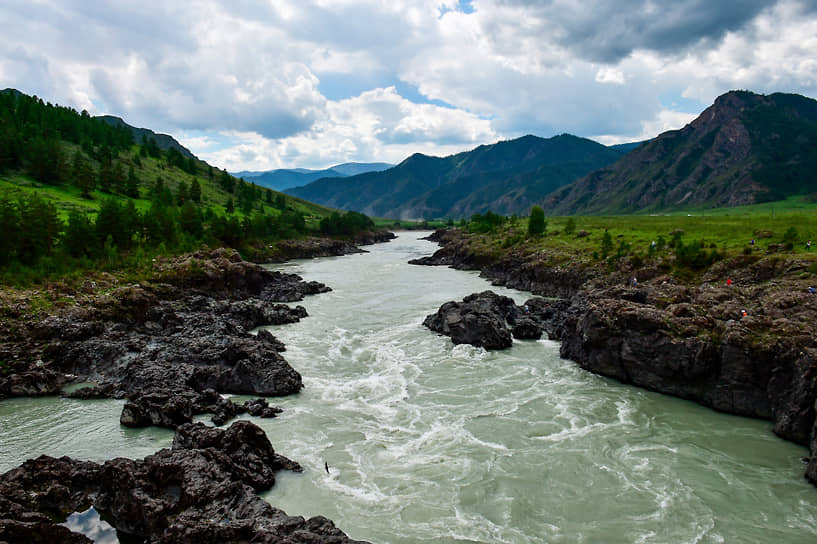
x,y
729,230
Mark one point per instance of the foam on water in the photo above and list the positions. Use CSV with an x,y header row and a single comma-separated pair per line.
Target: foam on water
x,y
434,442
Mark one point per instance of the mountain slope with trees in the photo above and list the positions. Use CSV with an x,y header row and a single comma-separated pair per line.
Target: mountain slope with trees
x,y
744,149
76,190
506,177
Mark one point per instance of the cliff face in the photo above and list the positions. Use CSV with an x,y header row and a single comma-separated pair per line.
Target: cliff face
x,y
690,341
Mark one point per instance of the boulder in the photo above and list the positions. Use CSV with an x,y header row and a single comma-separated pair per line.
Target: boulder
x,y
487,320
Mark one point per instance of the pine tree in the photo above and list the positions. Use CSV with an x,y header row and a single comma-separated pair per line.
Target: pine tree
x,y
118,179
195,191
606,244
80,236
132,187
10,227
182,193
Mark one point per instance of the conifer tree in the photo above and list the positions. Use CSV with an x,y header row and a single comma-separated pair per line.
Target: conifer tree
x,y
536,223
182,193
132,187
195,191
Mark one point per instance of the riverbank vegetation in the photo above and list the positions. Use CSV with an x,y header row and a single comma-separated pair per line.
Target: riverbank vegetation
x,y
682,243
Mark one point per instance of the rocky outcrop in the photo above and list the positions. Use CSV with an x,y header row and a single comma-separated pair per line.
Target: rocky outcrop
x,y
694,343
491,321
526,272
166,343
688,340
164,409
311,248
203,489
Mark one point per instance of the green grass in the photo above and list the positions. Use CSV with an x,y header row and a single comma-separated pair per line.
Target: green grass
x,y
793,204
728,231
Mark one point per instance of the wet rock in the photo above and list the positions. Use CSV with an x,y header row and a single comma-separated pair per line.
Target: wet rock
x,y
261,408
31,382
100,391
487,320
186,339
526,328
162,410
204,488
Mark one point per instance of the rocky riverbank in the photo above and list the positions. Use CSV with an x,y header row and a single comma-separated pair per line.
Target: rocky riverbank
x,y
168,344
683,338
202,489
311,248
171,346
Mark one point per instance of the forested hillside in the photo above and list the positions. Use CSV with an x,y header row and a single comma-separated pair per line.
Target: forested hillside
x,y
75,190
506,177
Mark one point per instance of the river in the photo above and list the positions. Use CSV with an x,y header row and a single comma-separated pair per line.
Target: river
x,y
431,442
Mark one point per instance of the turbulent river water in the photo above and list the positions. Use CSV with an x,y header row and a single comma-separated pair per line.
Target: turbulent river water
x,y
431,442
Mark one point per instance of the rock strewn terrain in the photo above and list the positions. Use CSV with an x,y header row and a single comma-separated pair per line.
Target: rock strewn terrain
x,y
171,344
684,339
203,489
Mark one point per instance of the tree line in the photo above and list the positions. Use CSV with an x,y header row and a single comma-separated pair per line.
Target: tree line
x,y
36,140
32,228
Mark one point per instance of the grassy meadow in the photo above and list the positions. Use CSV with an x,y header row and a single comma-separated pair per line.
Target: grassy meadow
x,y
727,230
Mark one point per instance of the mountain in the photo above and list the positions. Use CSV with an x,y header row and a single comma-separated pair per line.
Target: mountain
x,y
355,168
163,141
286,178
626,148
746,148
506,177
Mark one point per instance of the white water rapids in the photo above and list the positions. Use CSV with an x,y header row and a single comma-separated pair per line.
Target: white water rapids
x,y
431,442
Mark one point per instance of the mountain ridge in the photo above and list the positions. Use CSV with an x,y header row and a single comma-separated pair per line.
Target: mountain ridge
x,y
745,148
286,178
423,186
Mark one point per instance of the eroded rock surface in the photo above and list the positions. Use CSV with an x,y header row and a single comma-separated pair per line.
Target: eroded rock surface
x,y
165,345
202,489
490,321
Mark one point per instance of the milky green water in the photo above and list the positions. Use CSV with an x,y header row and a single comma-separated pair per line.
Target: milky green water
x,y
431,442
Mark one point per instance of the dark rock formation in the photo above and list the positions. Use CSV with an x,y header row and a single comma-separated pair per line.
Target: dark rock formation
x,y
164,344
311,248
488,320
702,350
203,489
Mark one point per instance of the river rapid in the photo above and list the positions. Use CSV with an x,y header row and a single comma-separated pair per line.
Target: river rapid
x,y
431,442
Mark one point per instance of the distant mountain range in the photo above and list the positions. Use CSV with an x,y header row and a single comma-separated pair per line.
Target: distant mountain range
x,y
506,177
286,178
746,148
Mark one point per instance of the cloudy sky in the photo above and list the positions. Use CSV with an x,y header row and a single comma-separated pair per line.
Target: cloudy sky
x,y
262,84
